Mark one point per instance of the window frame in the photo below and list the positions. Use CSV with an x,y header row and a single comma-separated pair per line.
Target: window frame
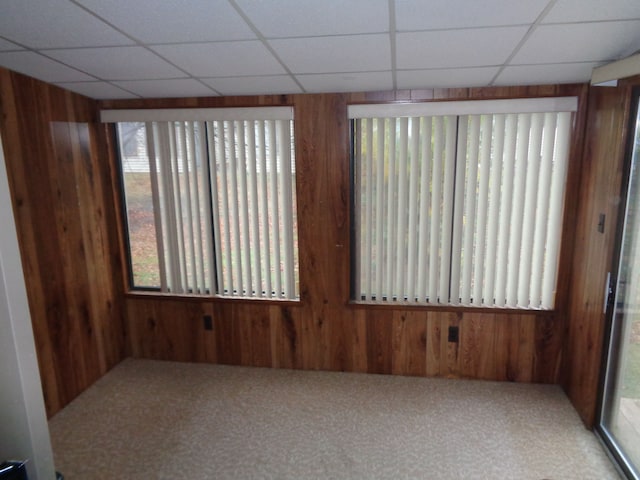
x,y
223,114
457,108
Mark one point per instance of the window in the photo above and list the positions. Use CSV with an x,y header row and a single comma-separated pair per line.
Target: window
x,y
210,200
459,203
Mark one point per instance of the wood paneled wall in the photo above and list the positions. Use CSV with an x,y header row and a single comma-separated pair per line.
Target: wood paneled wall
x,y
62,197
600,193
324,331
62,184
493,346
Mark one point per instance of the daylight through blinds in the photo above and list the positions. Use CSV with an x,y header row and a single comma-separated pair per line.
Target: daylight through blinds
x,y
460,209
222,194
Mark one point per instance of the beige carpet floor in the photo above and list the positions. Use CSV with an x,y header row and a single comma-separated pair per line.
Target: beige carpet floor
x,y
163,420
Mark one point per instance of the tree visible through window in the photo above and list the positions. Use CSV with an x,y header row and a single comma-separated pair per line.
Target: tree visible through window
x,y
211,205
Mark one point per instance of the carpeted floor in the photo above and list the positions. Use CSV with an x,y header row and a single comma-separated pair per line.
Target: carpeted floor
x,y
163,420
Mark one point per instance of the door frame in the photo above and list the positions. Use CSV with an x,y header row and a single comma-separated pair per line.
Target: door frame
x,y
612,338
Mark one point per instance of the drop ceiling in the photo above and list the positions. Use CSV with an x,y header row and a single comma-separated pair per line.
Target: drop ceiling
x,y
109,49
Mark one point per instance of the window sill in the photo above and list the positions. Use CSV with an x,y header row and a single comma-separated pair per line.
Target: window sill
x,y
448,308
185,297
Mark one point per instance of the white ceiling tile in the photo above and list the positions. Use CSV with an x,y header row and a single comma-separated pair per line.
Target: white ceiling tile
x,y
98,90
309,18
346,82
180,87
355,53
55,24
582,42
457,48
545,74
40,67
272,84
222,59
445,78
442,14
566,11
161,21
6,46
117,63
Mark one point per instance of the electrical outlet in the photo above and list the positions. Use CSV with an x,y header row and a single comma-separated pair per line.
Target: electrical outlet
x,y
208,322
454,332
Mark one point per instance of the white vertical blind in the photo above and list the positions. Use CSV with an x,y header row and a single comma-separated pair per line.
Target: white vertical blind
x,y
460,209
223,196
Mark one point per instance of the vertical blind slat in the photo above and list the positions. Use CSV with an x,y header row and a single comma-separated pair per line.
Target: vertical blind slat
x,y
483,206
379,260
469,232
436,206
156,202
217,277
169,213
414,198
227,248
401,234
515,236
391,210
542,209
426,163
245,250
505,211
190,241
447,210
529,213
275,220
458,209
254,230
287,209
206,245
489,289
198,207
236,235
264,210
368,208
175,165
560,160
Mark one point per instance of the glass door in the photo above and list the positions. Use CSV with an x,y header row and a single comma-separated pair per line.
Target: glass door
x,y
620,415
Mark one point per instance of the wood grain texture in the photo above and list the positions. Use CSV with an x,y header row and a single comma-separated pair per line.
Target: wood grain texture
x,y
524,347
600,187
64,191
323,331
62,198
